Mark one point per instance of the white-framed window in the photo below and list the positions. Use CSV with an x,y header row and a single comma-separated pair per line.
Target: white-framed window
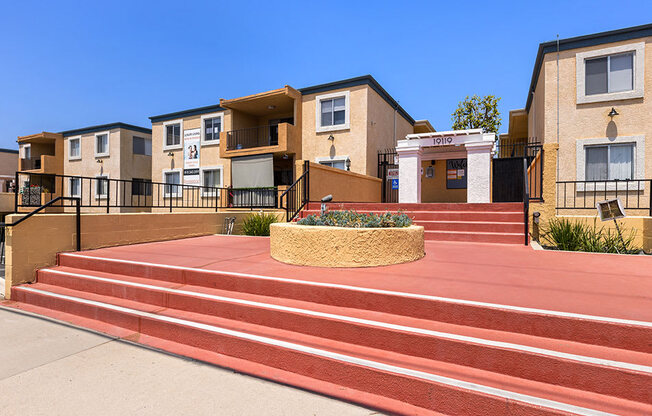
x,y
74,148
142,146
102,144
74,187
332,111
608,74
26,151
101,186
211,126
338,162
609,162
172,177
211,176
172,134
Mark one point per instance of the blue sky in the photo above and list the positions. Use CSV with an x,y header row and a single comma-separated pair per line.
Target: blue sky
x,y
66,65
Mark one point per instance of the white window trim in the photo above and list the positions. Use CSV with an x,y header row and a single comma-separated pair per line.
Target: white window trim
x,y
347,111
201,179
108,144
70,194
179,192
638,160
165,133
638,77
108,184
23,150
203,141
70,157
145,138
343,158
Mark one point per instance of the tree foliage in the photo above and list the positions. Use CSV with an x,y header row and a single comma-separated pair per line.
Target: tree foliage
x,y
477,113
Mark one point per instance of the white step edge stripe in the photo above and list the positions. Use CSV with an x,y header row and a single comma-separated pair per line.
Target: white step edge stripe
x,y
533,400
382,292
379,324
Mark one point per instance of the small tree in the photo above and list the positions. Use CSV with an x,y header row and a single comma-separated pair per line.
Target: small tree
x,y
477,113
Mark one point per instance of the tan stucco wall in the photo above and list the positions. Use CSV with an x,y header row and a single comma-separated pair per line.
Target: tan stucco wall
x,y
6,202
344,186
345,247
434,189
8,163
33,244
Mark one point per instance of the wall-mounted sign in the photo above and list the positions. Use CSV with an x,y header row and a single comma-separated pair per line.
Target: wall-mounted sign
x,y
191,156
430,172
442,141
456,174
611,209
395,183
392,174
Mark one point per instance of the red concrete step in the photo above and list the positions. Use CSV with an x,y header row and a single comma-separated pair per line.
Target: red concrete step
x,y
580,372
548,324
399,383
473,226
475,237
475,216
382,207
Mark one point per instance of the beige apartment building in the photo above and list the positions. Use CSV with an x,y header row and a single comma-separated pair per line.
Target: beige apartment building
x,y
590,105
261,140
8,166
93,163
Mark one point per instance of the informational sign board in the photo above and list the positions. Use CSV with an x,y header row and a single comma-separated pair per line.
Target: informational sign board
x,y
395,183
191,150
392,174
611,209
456,174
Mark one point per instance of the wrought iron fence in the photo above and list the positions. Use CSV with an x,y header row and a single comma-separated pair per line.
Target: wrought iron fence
x,y
297,195
103,193
252,137
635,194
387,159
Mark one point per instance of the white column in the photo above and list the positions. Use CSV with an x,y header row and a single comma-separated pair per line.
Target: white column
x,y
478,169
409,172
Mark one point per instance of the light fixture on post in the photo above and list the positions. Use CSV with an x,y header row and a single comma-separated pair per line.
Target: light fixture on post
x,y
331,138
613,112
348,164
170,154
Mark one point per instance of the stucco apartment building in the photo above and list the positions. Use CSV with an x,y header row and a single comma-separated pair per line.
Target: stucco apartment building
x,y
261,140
80,162
8,166
590,104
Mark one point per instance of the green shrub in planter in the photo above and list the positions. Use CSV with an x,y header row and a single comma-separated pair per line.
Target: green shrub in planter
x,y
258,224
563,234
352,219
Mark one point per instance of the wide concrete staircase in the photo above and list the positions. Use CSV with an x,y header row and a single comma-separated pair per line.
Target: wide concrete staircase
x,y
397,352
478,223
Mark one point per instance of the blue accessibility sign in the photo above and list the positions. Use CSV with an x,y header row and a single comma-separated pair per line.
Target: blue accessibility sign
x,y
394,183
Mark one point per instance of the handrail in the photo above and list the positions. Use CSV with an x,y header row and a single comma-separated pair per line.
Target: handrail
x,y
50,203
526,201
292,190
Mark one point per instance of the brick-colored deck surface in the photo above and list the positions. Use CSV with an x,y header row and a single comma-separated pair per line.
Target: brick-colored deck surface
x,y
595,284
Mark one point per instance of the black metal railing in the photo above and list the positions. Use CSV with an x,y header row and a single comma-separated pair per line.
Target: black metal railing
x,y
297,195
31,163
252,137
635,194
76,203
101,193
387,159
526,201
526,148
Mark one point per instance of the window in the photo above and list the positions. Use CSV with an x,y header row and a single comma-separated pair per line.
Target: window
x,y
608,74
211,178
172,178
339,164
101,186
74,187
27,152
332,111
141,187
142,146
609,162
102,144
212,129
74,148
173,135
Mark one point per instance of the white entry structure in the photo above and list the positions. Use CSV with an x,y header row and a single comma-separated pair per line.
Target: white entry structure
x,y
471,148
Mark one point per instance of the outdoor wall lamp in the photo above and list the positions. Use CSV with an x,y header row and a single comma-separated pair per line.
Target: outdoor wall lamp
x,y
536,216
613,112
99,161
348,164
170,154
331,138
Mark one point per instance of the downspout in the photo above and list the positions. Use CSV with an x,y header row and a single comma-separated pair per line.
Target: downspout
x,y
557,212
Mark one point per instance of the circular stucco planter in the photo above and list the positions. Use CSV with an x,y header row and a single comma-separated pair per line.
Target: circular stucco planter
x,y
310,245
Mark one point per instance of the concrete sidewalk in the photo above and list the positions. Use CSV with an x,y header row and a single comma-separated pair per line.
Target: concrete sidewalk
x,y
49,368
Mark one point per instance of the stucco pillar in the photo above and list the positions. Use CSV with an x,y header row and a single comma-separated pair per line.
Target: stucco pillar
x,y
409,173
478,169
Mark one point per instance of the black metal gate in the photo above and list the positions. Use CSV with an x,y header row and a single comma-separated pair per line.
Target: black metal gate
x,y
507,180
387,159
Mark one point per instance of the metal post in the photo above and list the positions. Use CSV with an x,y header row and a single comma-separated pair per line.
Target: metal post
x,y
108,194
16,193
78,219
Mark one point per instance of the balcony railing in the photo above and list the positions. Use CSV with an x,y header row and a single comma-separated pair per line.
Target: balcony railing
x,y
30,163
252,137
635,194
